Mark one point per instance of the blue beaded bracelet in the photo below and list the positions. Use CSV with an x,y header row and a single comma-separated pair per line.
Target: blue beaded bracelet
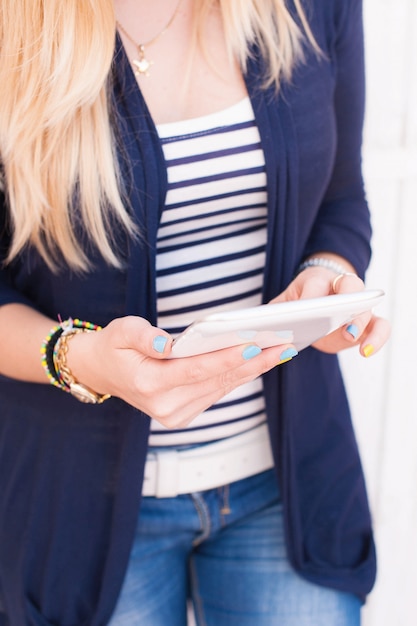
x,y
323,262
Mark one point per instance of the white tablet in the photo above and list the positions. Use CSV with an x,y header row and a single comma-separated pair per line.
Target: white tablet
x,y
300,322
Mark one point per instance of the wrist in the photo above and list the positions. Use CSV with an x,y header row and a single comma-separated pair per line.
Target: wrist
x,y
332,262
58,360
76,370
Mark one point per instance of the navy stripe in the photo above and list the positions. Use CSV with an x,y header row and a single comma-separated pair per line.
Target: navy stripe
x,y
215,197
250,398
204,229
211,303
219,238
205,262
192,428
203,216
212,131
224,280
205,156
216,177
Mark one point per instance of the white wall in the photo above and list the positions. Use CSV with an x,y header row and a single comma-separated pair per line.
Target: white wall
x,y
383,389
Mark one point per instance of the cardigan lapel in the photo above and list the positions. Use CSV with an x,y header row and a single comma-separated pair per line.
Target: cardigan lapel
x,y
144,171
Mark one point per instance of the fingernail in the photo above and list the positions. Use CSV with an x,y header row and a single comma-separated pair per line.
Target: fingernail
x,y
353,330
287,355
159,343
368,350
250,351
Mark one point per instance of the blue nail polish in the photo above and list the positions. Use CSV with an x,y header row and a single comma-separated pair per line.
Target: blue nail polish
x,y
250,351
353,330
289,353
159,343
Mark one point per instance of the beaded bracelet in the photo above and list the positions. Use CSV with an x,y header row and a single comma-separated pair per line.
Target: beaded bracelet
x,y
47,351
322,262
50,343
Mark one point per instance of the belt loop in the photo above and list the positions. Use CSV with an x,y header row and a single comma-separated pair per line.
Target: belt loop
x,y
167,474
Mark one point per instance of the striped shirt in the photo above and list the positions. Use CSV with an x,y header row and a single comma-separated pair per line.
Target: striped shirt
x,y
211,246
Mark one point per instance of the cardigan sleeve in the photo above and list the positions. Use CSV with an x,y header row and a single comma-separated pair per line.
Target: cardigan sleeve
x,y
343,223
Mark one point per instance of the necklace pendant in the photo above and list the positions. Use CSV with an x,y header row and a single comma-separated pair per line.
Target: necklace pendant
x,y
142,65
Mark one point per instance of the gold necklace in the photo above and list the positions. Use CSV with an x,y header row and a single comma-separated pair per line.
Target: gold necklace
x,y
141,65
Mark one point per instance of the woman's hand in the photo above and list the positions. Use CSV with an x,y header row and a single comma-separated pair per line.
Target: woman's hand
x,y
367,331
128,359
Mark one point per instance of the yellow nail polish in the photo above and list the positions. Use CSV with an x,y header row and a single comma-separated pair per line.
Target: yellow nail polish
x,y
285,361
368,350
287,355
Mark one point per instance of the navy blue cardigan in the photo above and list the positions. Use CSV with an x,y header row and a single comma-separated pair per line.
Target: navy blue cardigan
x,y
70,474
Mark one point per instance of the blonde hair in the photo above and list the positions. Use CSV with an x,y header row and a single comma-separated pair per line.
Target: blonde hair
x,y
56,140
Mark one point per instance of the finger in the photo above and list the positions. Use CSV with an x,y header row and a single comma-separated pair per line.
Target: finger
x,y
345,336
138,334
228,365
354,329
347,283
375,336
204,386
350,283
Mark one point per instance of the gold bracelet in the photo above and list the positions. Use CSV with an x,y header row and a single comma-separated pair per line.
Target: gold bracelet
x,y
79,391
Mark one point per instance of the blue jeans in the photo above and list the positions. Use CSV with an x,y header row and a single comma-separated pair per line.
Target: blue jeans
x,y
224,549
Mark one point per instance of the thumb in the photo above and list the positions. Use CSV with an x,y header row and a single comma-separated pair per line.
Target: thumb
x,y
138,334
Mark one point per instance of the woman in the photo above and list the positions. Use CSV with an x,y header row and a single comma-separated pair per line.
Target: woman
x,y
162,160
